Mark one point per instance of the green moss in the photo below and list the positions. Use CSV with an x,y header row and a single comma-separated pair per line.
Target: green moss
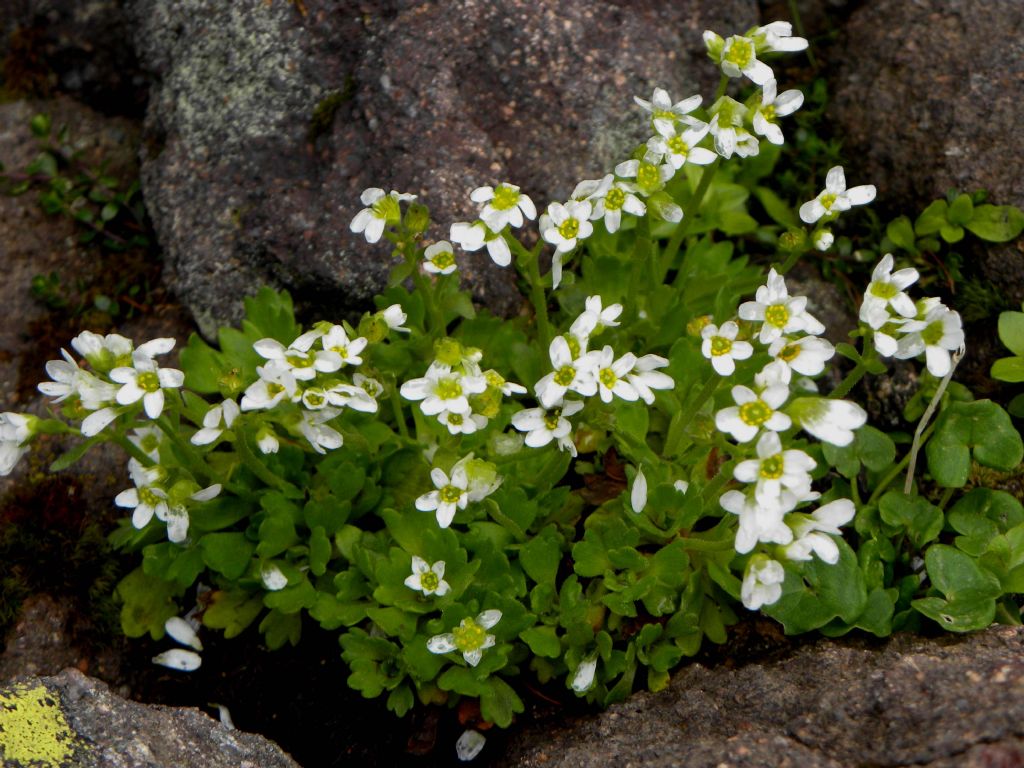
x,y
33,729
326,109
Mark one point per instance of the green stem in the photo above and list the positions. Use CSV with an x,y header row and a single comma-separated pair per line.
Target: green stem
x,y
253,463
193,462
711,489
946,496
794,11
131,449
438,327
925,418
893,473
849,381
790,261
703,545
529,267
396,409
723,84
692,206
696,403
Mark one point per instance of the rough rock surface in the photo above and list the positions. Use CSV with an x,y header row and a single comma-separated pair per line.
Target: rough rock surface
x,y
99,728
77,47
927,97
952,701
268,119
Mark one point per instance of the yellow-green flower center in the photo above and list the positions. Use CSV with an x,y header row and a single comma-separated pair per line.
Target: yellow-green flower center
x,y
678,146
469,636
387,208
429,581
313,398
569,228
448,389
552,417
450,494
827,199
777,315
768,113
720,345
789,353
932,333
455,419
883,290
148,381
274,389
771,468
443,259
298,359
574,345
607,377
565,376
147,497
663,114
647,176
149,442
755,413
505,197
740,53
614,199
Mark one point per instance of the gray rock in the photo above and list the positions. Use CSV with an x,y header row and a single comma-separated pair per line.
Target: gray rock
x,y
912,701
75,721
927,97
266,122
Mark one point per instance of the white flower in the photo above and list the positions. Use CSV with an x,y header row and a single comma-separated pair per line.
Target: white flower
x,y
473,237
611,198
762,582
611,373
339,350
505,206
216,420
443,390
773,106
16,430
427,578
462,423
680,148
777,36
595,317
439,258
469,745
722,349
650,175
939,333
664,111
638,493
147,497
450,494
569,224
779,312
830,420
395,317
752,411
806,355
885,290
314,428
276,383
737,55
104,352
68,379
645,377
183,632
382,210
498,382
836,197
148,440
267,441
543,425
758,522
180,659
298,357
469,638
813,533
775,469
570,375
583,678
94,423
822,239
359,396
146,381
727,129
272,577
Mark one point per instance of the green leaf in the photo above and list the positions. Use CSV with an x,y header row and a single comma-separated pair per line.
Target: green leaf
x,y
957,575
1009,369
958,615
280,628
148,602
65,460
541,555
996,223
232,611
543,641
922,520
961,210
203,366
875,449
1011,331
227,553
901,232
776,208
980,428
319,551
951,234
498,702
272,314
932,219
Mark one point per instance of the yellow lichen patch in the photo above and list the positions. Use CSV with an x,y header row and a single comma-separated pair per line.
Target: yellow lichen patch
x,y
33,729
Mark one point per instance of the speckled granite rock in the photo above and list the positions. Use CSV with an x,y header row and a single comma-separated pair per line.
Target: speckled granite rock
x,y
73,721
927,97
951,701
268,119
